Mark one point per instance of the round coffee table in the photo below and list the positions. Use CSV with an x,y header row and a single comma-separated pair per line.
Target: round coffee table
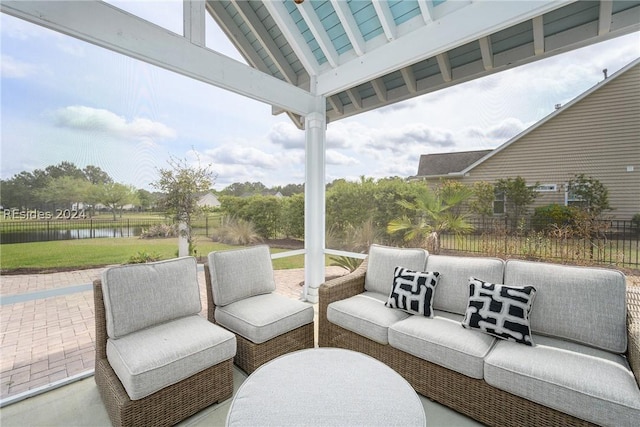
x,y
325,387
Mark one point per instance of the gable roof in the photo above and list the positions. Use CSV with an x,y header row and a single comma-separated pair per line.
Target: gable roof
x,y
448,163
453,164
558,111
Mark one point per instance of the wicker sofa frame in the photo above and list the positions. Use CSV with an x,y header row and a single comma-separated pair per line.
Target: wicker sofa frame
x,y
165,407
472,397
249,355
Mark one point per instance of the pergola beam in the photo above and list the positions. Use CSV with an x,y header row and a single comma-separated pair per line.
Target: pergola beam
x,y
454,29
318,31
193,21
292,35
604,21
106,26
350,26
386,19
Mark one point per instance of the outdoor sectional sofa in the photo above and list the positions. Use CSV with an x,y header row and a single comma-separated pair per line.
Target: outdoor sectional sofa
x,y
583,367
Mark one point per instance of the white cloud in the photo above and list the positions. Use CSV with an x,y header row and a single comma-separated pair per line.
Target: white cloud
x,y
16,69
493,136
334,157
99,120
243,155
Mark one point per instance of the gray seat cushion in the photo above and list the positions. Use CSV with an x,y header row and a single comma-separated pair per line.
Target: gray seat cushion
x,y
240,273
442,340
263,317
452,293
142,295
382,261
366,315
154,358
586,305
582,381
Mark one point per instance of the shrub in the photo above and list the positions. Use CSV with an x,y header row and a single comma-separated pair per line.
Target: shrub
x,y
142,257
159,230
635,222
236,231
545,217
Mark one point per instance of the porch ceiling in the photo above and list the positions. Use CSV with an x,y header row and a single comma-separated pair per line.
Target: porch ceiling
x,y
364,54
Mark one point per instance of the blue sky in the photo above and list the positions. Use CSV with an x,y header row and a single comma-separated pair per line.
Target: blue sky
x,y
66,100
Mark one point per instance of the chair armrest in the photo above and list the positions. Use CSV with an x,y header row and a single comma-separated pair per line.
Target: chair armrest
x,y
335,290
343,287
100,320
211,308
633,330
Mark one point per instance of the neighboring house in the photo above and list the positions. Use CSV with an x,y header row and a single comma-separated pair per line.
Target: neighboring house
x,y
596,134
208,200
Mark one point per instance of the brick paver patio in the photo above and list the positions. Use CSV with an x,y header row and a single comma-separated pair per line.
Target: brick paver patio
x,y
43,341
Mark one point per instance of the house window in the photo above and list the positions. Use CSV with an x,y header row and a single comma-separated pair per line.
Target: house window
x,y
498,203
572,199
544,188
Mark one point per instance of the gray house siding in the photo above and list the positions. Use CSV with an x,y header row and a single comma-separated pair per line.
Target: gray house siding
x,y
597,134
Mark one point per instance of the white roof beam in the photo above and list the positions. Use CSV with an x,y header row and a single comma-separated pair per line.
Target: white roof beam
x,y
350,26
386,19
293,36
193,14
604,22
426,10
380,89
445,66
355,98
336,104
487,52
106,26
226,24
455,29
538,35
409,79
313,22
257,27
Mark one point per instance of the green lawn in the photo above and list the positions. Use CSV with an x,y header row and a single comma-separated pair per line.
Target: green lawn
x,y
86,253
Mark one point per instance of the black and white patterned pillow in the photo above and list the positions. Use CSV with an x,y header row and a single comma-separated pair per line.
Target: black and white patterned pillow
x,y
500,310
412,291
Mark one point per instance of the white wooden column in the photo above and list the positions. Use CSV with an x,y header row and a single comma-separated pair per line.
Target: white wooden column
x,y
314,200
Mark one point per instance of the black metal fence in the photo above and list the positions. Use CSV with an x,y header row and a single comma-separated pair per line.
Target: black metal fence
x,y
24,231
604,242
42,231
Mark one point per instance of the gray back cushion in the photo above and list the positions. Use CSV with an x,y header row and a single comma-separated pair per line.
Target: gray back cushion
x,y
382,262
452,292
142,295
581,304
240,274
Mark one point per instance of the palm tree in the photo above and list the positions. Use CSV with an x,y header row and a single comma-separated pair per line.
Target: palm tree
x,y
435,213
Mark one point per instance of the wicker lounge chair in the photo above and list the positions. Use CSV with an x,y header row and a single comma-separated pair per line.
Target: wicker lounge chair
x,y
240,283
179,399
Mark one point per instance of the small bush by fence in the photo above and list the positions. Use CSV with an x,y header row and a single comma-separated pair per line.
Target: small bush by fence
x,y
605,242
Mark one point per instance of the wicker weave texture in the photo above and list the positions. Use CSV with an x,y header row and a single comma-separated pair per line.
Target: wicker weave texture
x,y
165,407
472,397
249,355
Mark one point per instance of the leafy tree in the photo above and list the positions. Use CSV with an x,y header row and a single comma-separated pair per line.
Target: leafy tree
x,y
293,216
349,203
482,200
64,169
244,189
65,191
432,216
181,183
146,199
518,197
95,175
593,195
289,189
115,196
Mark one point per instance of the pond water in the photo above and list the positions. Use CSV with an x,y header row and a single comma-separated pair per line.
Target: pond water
x,y
69,234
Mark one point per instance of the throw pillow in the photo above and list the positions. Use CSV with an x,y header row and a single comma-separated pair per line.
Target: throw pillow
x,y
500,310
412,291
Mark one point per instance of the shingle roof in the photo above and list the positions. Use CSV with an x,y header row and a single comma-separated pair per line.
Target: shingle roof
x,y
446,163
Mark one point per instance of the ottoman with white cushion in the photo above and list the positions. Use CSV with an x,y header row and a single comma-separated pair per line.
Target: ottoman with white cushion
x,y
326,387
